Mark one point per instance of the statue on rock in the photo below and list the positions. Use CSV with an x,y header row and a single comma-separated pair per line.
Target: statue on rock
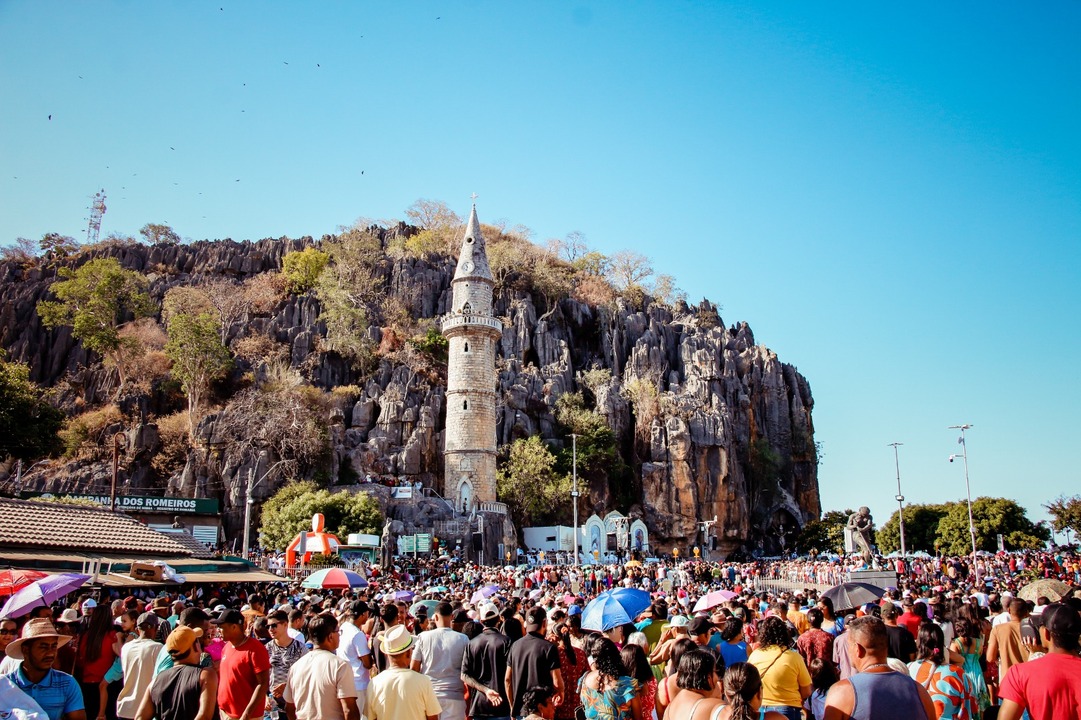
x,y
387,546
859,528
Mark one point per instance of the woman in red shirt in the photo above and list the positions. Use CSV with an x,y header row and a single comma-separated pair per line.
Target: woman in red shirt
x,y
95,657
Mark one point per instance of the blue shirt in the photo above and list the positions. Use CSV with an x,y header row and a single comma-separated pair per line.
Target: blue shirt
x,y
57,693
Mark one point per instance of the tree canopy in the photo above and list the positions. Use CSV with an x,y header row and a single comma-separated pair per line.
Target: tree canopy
x,y
1066,514
155,233
28,424
289,512
530,485
198,355
921,529
991,516
825,535
95,300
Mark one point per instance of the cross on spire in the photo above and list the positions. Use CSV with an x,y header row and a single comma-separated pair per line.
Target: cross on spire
x,y
474,196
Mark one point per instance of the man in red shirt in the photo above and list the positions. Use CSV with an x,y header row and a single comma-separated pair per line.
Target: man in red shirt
x,y
244,674
1049,687
909,620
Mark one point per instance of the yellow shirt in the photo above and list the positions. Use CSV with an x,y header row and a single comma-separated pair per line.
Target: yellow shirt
x,y
799,619
783,673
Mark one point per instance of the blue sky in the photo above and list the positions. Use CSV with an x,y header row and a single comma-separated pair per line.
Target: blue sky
x,y
890,196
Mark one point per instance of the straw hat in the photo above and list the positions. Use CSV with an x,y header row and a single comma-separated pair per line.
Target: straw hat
x,y
70,615
37,628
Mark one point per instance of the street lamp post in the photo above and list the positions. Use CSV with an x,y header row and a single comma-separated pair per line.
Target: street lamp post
x,y
248,500
574,492
968,492
900,498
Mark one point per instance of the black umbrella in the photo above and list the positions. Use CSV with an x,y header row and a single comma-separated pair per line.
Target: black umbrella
x,y
853,594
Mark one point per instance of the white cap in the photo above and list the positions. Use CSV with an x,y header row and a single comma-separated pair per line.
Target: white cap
x,y
89,603
487,611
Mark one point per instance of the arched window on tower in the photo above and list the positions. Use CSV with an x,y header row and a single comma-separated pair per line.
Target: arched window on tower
x,y
467,308
465,404
466,348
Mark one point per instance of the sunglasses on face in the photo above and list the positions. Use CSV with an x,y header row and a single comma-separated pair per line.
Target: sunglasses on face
x,y
5,631
273,625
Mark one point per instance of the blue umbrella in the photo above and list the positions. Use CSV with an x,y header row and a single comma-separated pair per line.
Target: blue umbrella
x,y
614,608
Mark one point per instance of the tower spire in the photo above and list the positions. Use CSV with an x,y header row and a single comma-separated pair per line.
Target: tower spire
x,y
473,257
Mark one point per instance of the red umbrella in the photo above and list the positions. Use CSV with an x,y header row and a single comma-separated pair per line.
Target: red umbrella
x,y
12,581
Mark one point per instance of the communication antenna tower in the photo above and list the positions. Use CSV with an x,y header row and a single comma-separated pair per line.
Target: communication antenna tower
x,y
97,209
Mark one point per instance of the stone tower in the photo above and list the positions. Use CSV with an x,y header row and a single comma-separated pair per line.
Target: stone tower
x,y
472,332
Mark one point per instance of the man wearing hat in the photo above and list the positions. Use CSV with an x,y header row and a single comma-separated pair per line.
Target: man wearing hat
x,y
56,692
320,684
138,659
484,668
1048,687
400,693
184,691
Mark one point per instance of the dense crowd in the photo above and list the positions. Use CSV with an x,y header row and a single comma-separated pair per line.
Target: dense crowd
x,y
447,640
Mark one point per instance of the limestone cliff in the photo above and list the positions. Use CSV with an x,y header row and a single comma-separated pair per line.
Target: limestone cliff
x,y
730,434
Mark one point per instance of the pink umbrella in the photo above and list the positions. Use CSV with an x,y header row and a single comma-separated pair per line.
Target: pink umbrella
x,y
712,599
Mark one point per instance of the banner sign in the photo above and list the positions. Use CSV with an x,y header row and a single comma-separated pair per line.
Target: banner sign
x,y
141,503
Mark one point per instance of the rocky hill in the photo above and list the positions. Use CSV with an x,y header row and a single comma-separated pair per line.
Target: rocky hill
x,y
727,430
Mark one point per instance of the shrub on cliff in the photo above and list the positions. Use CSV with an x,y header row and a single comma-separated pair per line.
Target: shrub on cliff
x,y
302,268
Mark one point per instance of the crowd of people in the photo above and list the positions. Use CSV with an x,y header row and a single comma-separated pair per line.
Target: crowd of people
x,y
443,639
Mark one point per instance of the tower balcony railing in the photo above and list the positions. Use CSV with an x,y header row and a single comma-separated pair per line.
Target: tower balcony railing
x,y
493,507
455,320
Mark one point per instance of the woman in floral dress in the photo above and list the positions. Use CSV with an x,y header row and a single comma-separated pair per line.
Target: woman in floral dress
x,y
950,688
607,691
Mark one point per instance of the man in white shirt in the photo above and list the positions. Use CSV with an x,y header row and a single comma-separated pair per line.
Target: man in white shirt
x,y
353,648
438,654
320,684
138,659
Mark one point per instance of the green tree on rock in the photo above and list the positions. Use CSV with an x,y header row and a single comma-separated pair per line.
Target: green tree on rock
x,y
159,233
530,485
289,512
921,529
28,424
991,517
95,300
198,355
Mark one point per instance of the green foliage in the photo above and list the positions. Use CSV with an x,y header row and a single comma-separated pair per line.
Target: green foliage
x,y
28,424
921,529
198,355
825,535
69,500
530,485
95,300
302,268
1066,514
85,433
592,263
665,291
991,516
433,344
349,289
155,234
289,512
61,246
599,461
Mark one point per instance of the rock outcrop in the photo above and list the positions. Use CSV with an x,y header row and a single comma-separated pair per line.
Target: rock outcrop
x,y
730,435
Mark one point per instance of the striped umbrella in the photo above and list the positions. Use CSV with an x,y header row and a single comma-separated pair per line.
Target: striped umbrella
x,y
334,579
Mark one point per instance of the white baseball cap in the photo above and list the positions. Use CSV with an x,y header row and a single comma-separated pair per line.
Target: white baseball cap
x,y
89,604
